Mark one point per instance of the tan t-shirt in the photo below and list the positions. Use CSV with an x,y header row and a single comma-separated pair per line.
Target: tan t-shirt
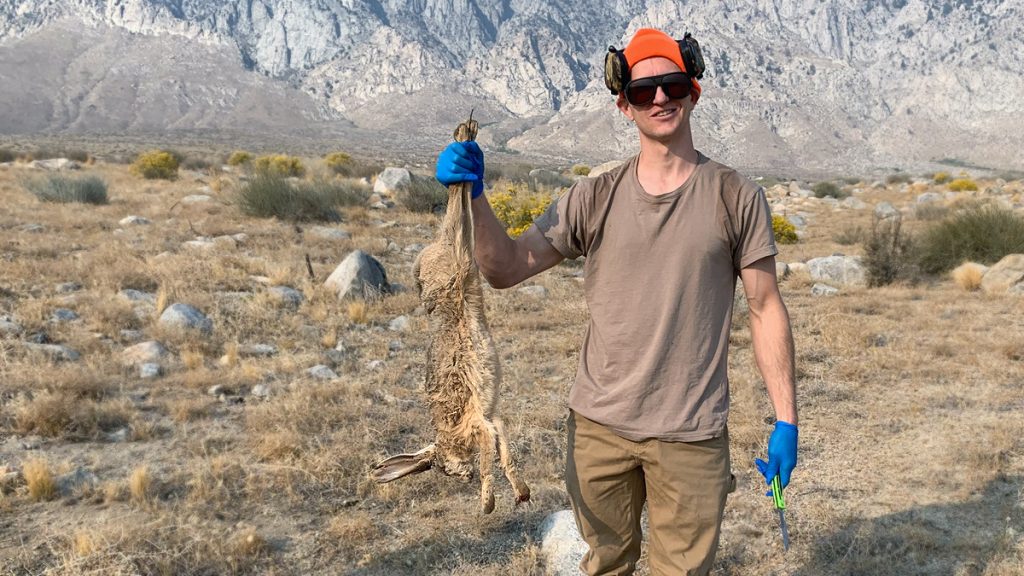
x,y
660,275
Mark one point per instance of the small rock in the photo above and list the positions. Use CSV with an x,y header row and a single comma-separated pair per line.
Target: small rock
x,y
134,221
395,346
150,370
561,544
261,391
781,270
329,233
33,228
602,168
137,296
359,275
257,350
55,352
885,210
240,238
183,316
8,327
286,296
150,352
797,267
321,372
414,248
853,203
225,241
796,220
391,180
400,324
393,247
76,482
929,198
63,315
56,164
196,199
823,290
534,291
199,244
119,435
216,390
68,287
837,269
374,365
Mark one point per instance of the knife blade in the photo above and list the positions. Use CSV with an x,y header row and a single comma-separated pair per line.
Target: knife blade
x,y
780,505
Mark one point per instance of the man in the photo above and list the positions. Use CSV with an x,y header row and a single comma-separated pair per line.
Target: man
x,y
664,237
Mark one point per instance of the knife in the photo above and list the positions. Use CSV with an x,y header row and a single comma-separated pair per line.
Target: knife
x,y
780,505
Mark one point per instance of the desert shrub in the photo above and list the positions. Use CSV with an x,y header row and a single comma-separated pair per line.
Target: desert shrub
x,y
983,234
156,164
851,180
190,162
280,164
849,236
785,232
239,157
539,180
962,185
270,195
516,206
898,178
57,188
931,211
339,162
968,276
828,189
888,253
422,195
940,177
7,155
581,170
337,192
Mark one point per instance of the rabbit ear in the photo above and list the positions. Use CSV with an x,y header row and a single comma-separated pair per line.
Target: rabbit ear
x,y
403,465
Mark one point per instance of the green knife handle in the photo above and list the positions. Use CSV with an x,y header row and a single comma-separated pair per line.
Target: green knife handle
x,y
780,502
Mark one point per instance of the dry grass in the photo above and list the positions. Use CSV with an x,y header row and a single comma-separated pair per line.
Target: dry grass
x,y
968,276
39,480
911,462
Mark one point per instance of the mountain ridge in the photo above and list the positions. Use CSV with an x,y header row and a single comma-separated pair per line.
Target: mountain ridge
x,y
797,83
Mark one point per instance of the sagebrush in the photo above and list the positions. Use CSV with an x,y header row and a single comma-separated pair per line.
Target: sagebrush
x,y
58,188
156,165
983,234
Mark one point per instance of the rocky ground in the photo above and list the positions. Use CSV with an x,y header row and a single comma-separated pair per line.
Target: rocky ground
x,y
181,393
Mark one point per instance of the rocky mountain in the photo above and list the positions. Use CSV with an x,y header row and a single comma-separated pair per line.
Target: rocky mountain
x,y
791,84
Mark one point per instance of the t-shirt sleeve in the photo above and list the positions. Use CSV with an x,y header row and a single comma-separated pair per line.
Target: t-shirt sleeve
x,y
564,222
756,237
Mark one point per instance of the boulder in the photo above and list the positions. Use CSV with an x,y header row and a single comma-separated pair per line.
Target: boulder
x,y
143,353
1004,276
321,372
561,544
885,210
823,290
391,180
602,168
134,221
837,269
359,276
286,296
185,317
54,352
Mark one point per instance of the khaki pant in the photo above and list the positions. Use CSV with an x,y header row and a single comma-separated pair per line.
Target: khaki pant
x,y
683,483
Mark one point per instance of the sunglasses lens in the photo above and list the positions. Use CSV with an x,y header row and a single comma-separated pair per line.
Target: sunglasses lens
x,y
641,92
676,88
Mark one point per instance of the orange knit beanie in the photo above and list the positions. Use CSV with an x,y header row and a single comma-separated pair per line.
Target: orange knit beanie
x,y
649,43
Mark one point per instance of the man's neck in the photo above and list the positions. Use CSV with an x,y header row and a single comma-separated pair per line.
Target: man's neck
x,y
663,167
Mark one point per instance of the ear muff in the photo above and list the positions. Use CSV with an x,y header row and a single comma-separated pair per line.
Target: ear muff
x,y
689,49
616,70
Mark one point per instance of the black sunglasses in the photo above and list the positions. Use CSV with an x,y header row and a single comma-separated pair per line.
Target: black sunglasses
x,y
642,91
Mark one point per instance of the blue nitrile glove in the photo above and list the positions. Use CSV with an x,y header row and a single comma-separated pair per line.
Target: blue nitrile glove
x,y
462,162
781,454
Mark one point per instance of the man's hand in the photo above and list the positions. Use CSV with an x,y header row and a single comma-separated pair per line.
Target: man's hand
x,y
462,162
781,453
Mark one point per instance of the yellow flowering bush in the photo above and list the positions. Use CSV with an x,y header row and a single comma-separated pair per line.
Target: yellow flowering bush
x,y
280,164
516,207
962,185
581,170
339,162
785,232
156,164
941,177
239,157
